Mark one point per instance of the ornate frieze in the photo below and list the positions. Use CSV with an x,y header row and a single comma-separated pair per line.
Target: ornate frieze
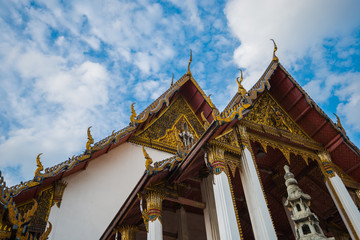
x,y
267,112
176,128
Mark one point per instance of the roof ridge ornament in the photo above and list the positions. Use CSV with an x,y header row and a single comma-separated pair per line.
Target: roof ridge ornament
x,y
188,70
133,114
172,80
338,123
90,140
39,165
148,160
242,91
275,58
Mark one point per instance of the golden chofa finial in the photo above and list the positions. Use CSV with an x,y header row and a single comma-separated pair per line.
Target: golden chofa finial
x,y
90,140
133,114
275,58
242,91
338,123
188,70
148,160
46,234
38,165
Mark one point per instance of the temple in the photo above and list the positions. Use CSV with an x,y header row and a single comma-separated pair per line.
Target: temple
x,y
184,170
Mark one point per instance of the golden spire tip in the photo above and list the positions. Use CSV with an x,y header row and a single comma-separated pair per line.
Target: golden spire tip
x,y
188,70
275,58
133,114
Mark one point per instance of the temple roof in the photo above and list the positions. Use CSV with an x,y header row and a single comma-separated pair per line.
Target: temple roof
x,y
194,95
277,82
284,89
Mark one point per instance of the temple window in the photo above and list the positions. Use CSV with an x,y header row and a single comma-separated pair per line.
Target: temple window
x,y
306,230
317,229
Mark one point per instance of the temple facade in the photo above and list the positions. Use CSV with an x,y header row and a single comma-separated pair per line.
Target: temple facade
x,y
184,170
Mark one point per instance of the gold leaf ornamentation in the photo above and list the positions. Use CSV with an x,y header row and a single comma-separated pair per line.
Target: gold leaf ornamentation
x,y
326,163
338,123
267,112
242,91
205,121
90,140
148,160
46,234
133,114
275,58
188,69
39,166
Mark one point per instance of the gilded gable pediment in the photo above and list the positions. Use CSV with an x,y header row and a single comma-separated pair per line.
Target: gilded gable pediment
x,y
268,116
172,128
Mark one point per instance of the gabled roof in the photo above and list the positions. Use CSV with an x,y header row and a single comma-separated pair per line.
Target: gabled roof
x,y
308,115
285,90
186,85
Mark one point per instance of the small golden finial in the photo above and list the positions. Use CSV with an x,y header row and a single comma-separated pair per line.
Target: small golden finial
x,y
188,70
38,165
133,114
242,91
90,139
148,160
338,123
205,121
46,234
275,58
172,80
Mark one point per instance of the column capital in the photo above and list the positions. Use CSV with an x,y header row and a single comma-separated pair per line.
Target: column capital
x,y
215,157
154,204
127,232
326,163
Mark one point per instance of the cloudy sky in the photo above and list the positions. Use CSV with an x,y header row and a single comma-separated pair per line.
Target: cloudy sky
x,y
67,65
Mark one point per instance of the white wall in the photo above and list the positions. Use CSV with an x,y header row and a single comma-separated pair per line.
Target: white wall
x,y
93,196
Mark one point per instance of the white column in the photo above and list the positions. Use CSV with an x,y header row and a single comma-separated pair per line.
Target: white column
x,y
155,230
345,205
259,213
228,228
210,216
154,206
341,197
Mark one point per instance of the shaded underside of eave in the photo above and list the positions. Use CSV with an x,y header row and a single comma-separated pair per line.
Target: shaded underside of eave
x,y
170,177
193,93
304,111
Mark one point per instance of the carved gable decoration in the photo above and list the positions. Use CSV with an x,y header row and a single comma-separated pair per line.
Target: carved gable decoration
x,y
267,112
175,127
178,132
229,138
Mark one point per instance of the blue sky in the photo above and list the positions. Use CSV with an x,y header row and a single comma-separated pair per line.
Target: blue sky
x,y
67,65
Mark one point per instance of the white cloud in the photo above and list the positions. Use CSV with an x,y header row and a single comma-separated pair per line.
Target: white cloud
x,y
298,27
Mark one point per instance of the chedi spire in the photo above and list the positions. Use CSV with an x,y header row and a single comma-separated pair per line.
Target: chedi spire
x,y
306,222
